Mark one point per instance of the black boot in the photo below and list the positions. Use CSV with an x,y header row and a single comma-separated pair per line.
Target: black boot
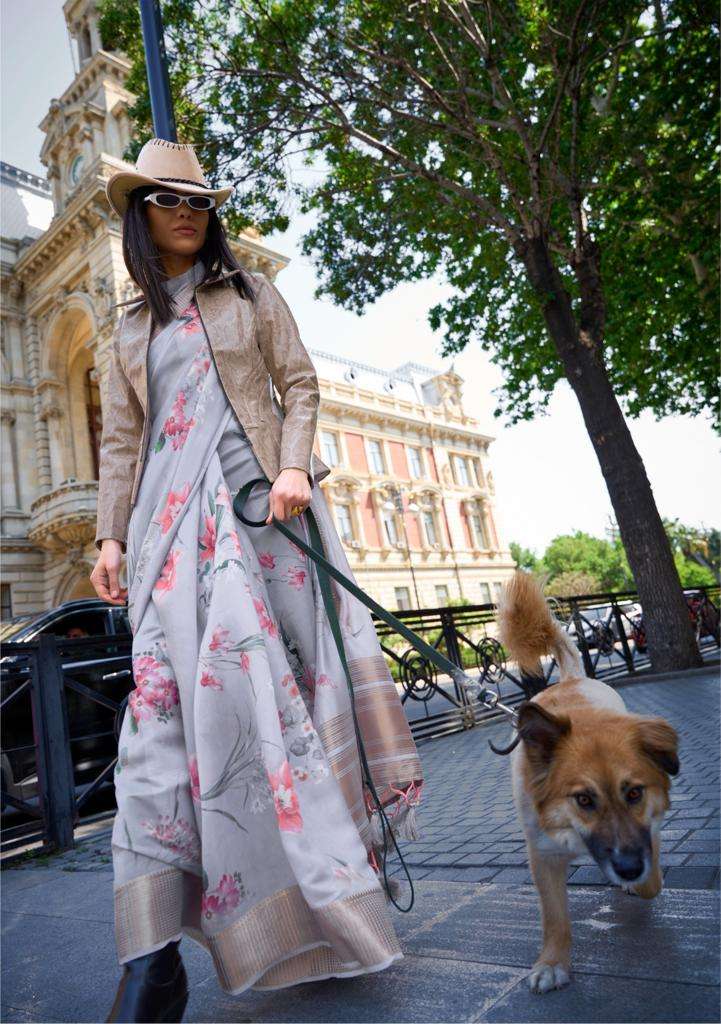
x,y
153,988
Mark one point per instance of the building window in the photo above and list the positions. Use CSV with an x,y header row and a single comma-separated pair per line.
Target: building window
x,y
485,593
403,598
329,448
414,463
6,601
480,539
376,456
76,169
461,471
389,525
430,526
475,471
498,587
441,595
345,524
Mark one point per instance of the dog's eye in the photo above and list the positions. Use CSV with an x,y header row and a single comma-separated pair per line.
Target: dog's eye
x,y
634,794
585,800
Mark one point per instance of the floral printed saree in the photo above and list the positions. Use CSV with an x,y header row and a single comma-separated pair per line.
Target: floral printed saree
x,y
242,818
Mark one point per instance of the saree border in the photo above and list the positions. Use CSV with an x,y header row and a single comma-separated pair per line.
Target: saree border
x,y
279,942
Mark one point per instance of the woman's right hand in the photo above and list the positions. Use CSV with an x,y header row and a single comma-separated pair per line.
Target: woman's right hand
x,y
105,575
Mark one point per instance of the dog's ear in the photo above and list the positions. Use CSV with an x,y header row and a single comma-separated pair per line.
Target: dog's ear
x,y
659,742
541,731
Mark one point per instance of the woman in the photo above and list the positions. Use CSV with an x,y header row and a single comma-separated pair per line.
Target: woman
x,y
243,819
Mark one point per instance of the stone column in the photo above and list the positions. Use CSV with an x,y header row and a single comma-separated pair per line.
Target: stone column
x,y
489,524
42,437
377,499
11,495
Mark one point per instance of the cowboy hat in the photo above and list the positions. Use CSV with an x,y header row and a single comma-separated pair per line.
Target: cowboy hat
x,y
163,163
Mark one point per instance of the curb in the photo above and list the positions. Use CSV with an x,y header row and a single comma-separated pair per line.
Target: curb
x,y
653,677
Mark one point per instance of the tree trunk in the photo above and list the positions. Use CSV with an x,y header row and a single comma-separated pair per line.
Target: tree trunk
x,y
671,641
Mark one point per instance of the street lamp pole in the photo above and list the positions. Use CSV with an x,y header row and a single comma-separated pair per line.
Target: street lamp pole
x,y
161,101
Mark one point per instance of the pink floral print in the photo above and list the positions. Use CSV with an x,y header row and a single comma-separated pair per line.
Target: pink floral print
x,y
173,505
208,679
178,836
193,324
264,619
285,799
225,897
219,640
166,580
194,777
207,539
154,695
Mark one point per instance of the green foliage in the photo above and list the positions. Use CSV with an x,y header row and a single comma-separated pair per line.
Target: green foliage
x,y
578,563
524,557
439,138
574,583
600,560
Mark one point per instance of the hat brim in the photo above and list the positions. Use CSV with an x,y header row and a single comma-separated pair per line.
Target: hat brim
x,y
120,184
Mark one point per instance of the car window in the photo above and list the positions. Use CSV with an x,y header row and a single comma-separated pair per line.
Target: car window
x,y
79,624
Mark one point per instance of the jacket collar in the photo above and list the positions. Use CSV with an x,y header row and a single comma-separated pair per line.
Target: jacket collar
x,y
211,280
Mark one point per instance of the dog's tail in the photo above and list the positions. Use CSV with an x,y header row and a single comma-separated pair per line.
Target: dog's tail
x,y
528,630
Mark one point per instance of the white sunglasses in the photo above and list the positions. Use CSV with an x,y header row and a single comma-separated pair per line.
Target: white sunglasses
x,y
170,199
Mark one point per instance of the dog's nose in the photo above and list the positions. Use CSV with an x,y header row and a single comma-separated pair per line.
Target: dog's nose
x,y
628,864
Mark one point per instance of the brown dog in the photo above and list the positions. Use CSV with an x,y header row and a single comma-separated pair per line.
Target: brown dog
x,y
587,776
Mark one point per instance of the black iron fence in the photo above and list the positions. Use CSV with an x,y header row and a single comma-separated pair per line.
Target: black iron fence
x,y
62,699
607,628
59,703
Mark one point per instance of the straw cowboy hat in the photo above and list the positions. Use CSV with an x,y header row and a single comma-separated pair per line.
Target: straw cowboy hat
x,y
163,163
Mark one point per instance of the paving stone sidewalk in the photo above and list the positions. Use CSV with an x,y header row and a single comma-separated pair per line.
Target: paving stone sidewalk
x,y
469,827
473,931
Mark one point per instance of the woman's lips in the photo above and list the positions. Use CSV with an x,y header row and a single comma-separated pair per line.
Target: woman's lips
x,y
185,231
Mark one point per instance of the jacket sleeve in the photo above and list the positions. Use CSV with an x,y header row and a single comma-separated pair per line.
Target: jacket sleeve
x,y
292,373
119,446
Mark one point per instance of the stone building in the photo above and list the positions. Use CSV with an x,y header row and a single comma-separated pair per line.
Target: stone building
x,y
61,271
411,486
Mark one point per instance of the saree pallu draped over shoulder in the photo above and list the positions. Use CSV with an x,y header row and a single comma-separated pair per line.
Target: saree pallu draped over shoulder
x,y
242,819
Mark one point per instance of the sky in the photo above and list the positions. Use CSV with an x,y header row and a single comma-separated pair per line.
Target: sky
x,y
548,481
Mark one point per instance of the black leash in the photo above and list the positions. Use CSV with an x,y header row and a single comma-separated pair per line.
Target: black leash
x,y
324,568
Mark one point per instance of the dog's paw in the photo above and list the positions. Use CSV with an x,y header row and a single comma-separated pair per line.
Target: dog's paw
x,y
545,977
650,889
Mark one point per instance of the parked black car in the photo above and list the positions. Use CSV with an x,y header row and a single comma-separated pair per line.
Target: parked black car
x,y
86,630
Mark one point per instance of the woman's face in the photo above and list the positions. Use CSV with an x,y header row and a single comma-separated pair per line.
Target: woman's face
x,y
171,231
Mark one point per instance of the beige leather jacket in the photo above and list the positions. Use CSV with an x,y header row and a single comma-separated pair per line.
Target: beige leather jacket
x,y
249,342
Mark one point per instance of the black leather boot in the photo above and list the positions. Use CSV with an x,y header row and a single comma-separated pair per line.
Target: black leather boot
x,y
153,988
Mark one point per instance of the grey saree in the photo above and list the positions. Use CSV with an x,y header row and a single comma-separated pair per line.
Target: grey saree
x,y
242,820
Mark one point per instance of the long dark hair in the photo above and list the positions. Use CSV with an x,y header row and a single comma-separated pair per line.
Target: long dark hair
x,y
144,263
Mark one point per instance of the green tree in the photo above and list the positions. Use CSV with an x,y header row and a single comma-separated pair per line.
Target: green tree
x,y
595,558
494,144
574,583
698,550
523,557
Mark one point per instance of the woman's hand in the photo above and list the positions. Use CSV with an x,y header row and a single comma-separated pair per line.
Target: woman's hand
x,y
105,575
290,488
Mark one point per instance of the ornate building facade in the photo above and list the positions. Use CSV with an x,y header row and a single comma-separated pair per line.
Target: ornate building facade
x,y
411,487
61,271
